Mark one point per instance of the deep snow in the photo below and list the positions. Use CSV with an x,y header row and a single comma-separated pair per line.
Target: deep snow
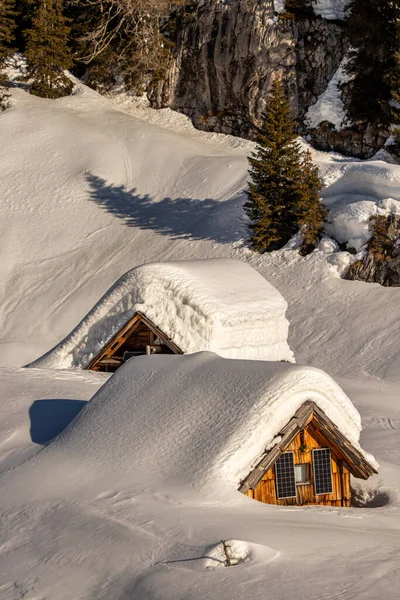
x,y
222,305
71,225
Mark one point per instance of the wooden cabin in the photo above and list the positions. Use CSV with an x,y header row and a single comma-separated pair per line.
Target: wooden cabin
x,y
179,307
311,464
139,336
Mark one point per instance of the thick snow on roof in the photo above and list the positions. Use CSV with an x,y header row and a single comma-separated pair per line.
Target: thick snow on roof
x,y
222,305
198,420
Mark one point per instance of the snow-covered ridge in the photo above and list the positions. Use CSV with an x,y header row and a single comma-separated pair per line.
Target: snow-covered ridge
x,y
221,305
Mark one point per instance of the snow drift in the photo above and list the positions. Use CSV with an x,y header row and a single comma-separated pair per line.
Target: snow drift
x,y
222,305
198,420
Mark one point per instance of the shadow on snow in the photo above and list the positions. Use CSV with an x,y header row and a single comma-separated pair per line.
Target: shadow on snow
x,y
50,417
178,218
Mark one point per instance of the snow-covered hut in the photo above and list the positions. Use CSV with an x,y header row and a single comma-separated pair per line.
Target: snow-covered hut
x,y
221,305
279,432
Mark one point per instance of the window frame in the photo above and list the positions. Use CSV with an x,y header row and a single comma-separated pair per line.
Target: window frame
x,y
308,473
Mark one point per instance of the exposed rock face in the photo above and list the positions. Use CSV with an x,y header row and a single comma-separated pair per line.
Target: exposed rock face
x,y
227,54
360,142
381,267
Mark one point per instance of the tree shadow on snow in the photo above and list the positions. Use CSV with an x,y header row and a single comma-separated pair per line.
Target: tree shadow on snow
x,y
50,417
178,218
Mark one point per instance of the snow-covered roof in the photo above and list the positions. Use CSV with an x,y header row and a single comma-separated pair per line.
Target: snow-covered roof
x,y
198,420
221,305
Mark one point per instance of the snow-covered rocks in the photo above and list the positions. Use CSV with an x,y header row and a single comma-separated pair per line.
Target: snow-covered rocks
x,y
330,9
329,106
222,305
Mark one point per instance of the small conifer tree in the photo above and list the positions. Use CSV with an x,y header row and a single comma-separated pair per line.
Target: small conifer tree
x,y
7,40
312,212
47,50
275,172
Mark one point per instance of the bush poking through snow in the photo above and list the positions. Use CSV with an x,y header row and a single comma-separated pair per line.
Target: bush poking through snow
x,y
228,553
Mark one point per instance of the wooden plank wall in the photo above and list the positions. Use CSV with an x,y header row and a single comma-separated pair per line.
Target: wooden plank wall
x,y
302,446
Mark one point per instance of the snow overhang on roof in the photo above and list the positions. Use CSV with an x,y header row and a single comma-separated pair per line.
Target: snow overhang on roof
x,y
199,420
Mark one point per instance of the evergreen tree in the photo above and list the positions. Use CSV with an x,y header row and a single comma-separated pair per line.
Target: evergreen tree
x,y
7,39
375,38
47,50
312,212
275,172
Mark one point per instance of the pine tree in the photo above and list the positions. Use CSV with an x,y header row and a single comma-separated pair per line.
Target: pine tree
x,y
47,50
312,212
275,172
375,38
7,39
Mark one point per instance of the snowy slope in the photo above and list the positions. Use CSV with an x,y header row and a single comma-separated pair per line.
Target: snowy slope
x,y
77,522
70,225
89,192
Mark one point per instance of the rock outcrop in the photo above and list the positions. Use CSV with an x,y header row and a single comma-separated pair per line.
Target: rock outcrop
x,y
381,263
354,141
227,53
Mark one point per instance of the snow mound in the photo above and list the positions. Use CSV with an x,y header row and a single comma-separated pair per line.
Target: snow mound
x,y
227,553
222,305
350,222
199,421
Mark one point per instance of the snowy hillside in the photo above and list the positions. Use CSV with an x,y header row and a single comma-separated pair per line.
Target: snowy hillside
x,y
90,191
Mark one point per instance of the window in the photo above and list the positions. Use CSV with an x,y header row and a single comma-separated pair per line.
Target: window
x,y
302,474
322,471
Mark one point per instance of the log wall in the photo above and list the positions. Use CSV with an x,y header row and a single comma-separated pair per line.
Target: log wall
x,y
302,446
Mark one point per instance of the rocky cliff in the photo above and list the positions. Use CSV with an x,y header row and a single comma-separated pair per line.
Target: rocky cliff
x,y
226,54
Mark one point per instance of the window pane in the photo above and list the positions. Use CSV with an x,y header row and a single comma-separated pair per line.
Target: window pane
x,y
301,474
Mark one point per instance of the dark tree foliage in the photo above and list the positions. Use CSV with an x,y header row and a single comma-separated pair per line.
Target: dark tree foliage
x,y
47,50
122,40
8,15
7,43
312,212
275,169
374,36
283,191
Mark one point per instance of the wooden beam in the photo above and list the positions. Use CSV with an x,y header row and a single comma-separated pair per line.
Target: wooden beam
x,y
358,465
166,340
288,433
117,341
